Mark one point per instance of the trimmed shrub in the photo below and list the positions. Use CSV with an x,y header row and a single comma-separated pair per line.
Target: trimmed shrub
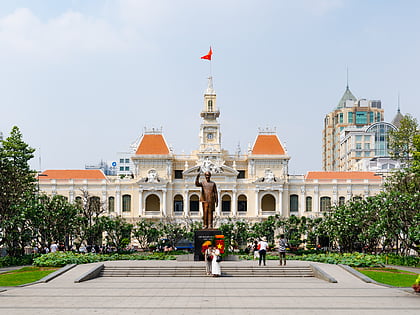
x,y
59,259
8,261
353,259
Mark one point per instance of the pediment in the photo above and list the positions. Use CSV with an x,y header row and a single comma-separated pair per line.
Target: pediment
x,y
222,170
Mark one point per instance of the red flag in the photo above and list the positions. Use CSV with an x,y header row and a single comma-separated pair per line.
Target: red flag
x,y
208,56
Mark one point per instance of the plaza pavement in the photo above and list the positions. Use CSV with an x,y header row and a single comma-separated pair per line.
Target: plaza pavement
x,y
207,295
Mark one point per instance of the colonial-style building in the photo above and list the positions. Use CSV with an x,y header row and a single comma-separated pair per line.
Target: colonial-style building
x,y
252,186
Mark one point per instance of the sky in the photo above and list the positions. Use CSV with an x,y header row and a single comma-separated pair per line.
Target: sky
x,y
83,79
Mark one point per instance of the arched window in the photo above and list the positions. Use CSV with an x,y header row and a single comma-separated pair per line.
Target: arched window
x,y
268,203
341,201
94,204
325,204
294,203
194,203
126,203
178,203
226,203
210,106
242,203
152,203
111,204
309,204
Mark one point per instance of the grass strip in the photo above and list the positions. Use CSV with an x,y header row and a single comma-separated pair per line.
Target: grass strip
x,y
394,277
24,275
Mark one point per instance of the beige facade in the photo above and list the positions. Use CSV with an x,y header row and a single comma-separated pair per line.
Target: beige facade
x,y
252,186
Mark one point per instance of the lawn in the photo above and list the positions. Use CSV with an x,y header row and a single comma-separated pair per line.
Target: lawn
x,y
394,277
24,275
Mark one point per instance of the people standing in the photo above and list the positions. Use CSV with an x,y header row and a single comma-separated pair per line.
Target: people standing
x,y
255,250
53,247
282,249
208,257
263,246
215,265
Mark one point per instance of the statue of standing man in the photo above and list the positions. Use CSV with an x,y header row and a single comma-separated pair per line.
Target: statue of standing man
x,y
208,199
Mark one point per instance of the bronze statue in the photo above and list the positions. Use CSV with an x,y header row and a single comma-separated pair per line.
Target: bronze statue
x,y
208,199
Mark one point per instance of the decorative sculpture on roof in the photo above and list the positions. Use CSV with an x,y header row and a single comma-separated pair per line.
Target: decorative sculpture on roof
x,y
214,167
152,176
269,176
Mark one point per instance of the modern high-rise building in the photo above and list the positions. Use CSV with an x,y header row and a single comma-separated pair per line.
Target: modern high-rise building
x,y
350,114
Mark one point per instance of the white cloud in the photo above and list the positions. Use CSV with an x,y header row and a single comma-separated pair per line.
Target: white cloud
x,y
69,33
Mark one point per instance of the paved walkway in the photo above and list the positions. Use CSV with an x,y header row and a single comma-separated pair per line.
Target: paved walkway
x,y
207,295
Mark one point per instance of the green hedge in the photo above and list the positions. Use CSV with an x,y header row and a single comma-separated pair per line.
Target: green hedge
x,y
8,261
59,259
393,259
353,259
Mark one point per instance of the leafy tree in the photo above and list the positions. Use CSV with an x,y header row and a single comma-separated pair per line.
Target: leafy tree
x,y
401,141
192,226
52,218
354,225
173,231
236,233
17,186
90,228
400,219
416,153
265,228
146,232
118,231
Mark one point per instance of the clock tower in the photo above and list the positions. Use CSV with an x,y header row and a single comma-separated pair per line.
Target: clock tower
x,y
210,136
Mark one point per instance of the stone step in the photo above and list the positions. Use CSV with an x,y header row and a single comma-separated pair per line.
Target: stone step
x,y
199,271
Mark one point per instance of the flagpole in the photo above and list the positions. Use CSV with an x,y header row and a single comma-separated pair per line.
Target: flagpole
x,y
211,51
210,69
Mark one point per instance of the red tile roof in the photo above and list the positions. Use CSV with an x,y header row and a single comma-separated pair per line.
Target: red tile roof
x,y
268,144
342,175
72,174
152,144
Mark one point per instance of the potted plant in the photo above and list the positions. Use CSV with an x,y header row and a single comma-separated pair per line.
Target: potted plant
x,y
416,285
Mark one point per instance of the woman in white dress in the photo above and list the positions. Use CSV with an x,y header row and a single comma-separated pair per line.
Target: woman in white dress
x,y
215,266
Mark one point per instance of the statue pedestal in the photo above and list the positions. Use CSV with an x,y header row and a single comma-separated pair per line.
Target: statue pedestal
x,y
200,236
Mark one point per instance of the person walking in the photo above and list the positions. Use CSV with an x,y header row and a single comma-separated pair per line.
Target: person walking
x,y
208,258
263,246
53,247
282,249
255,250
215,264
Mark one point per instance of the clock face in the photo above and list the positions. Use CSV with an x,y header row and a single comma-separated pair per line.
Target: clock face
x,y
209,136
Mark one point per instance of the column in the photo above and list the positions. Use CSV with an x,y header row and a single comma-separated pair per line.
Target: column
x,y
141,212
164,210
235,203
186,204
279,208
219,206
257,204
118,201
302,201
349,192
71,193
335,193
316,199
